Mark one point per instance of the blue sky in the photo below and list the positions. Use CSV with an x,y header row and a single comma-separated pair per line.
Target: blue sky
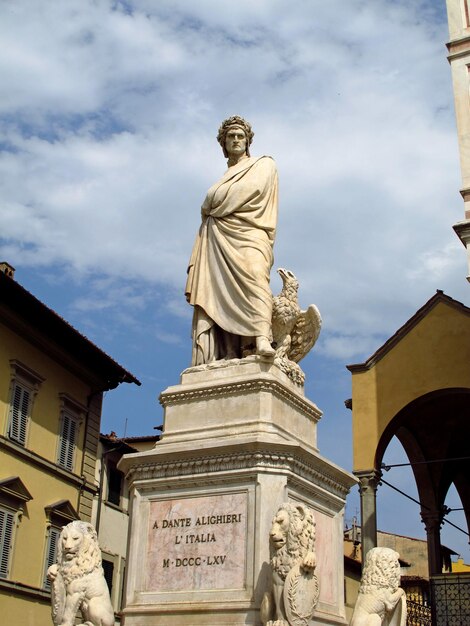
x,y
108,123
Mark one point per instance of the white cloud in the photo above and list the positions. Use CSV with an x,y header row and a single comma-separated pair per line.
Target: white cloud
x,y
108,119
109,131
348,348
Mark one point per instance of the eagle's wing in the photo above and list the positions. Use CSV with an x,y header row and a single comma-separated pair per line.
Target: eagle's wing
x,y
305,333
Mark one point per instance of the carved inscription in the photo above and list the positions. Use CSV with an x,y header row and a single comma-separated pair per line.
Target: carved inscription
x,y
197,543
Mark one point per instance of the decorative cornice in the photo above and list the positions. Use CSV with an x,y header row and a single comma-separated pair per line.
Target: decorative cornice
x,y
252,460
62,510
463,231
14,487
67,402
241,388
23,371
330,502
458,48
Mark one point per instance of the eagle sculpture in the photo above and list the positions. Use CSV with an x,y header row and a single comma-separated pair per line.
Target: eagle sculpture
x,y
294,331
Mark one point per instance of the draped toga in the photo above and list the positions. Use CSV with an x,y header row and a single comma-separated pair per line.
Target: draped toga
x,y
228,274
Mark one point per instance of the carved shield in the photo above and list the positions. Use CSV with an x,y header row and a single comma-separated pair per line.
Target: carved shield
x,y
58,596
301,591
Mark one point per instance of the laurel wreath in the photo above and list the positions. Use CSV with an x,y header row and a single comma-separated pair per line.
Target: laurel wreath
x,y
292,594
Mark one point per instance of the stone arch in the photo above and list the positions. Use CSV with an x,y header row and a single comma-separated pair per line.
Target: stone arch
x,y
417,387
434,430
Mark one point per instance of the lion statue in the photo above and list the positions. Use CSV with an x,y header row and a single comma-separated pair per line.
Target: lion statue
x,y
295,588
77,579
381,601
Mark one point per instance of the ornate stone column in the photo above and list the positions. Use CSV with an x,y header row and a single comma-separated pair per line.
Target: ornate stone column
x,y
432,521
368,483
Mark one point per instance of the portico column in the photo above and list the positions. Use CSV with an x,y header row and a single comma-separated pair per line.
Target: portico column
x,y
368,483
432,521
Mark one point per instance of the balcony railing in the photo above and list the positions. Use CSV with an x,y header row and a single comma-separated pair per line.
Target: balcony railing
x,y
417,614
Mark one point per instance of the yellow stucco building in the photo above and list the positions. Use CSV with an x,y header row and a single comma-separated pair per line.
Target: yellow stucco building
x,y
52,381
417,387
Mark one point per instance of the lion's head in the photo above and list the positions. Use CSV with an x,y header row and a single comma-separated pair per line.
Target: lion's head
x,y
78,551
381,570
292,536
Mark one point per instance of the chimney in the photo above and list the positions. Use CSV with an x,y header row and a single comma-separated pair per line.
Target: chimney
x,y
7,269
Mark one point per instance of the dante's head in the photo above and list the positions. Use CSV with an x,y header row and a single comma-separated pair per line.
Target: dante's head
x,y
235,123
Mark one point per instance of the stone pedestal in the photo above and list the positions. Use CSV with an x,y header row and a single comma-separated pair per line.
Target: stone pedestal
x,y
239,439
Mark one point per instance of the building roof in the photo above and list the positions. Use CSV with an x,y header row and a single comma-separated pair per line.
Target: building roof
x,y
41,325
126,442
113,437
438,297
353,552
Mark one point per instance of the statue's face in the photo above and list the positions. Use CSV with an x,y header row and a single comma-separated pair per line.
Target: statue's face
x,y
235,141
279,530
71,541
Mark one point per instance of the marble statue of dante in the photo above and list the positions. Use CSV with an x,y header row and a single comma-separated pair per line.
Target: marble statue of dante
x,y
228,273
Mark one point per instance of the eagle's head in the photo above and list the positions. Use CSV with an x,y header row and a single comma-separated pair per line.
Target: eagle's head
x,y
288,278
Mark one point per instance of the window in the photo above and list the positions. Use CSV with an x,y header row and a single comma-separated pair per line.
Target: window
x,y
112,574
51,553
68,438
24,386
108,570
115,478
19,413
58,514
13,498
7,525
71,415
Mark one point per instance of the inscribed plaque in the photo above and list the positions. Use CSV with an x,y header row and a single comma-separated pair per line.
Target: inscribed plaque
x,y
197,543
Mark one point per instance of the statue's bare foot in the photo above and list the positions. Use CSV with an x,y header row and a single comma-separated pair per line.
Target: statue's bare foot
x,y
263,346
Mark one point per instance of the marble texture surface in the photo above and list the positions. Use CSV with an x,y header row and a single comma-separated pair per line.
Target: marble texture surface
x,y
239,439
197,543
228,272
239,397
293,596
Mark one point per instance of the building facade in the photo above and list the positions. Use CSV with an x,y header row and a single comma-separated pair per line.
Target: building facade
x,y
52,381
110,514
458,13
416,387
